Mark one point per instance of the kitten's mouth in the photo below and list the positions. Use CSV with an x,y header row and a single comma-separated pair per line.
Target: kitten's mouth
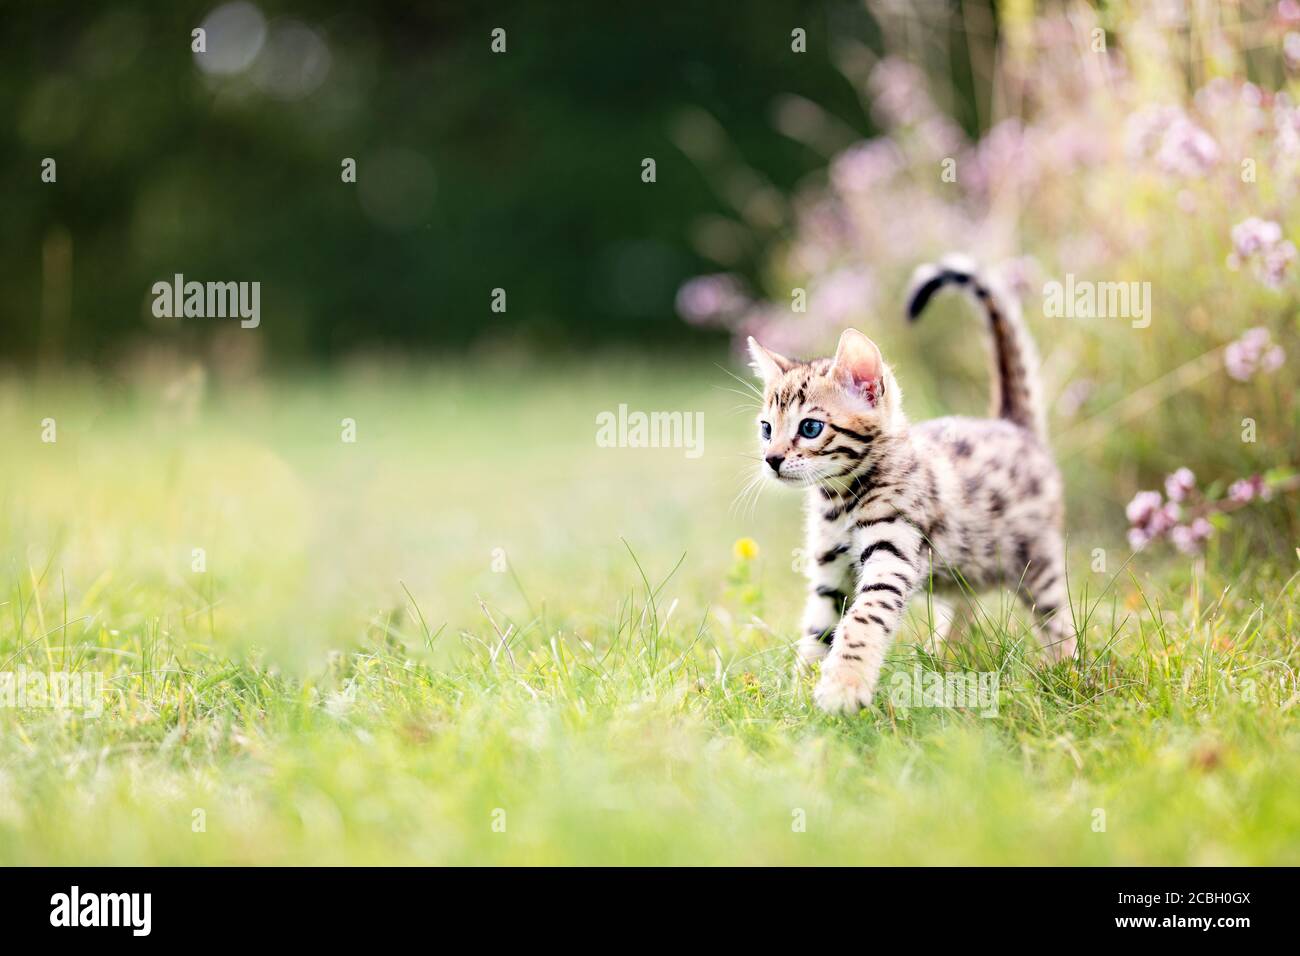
x,y
791,481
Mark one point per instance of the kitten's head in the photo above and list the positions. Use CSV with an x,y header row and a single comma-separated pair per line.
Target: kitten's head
x,y
822,419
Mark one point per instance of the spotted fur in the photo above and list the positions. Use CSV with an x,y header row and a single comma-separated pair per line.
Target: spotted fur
x,y
896,509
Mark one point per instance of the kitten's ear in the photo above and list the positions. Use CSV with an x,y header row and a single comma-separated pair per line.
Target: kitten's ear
x,y
766,363
859,367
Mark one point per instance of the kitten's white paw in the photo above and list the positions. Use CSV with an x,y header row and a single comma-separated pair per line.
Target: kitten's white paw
x,y
842,689
1062,649
808,652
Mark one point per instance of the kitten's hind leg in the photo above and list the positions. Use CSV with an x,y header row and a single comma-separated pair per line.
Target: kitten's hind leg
x,y
1043,591
935,620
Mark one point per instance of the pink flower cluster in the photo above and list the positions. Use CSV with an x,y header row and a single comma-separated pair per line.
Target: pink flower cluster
x,y
1151,517
841,294
1252,353
1248,489
865,165
1180,485
1286,129
1186,149
890,201
1179,145
1259,244
1182,515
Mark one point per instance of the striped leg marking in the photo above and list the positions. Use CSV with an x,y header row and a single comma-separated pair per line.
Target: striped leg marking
x,y
1044,591
887,580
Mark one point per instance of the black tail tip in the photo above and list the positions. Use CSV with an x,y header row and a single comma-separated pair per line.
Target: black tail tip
x,y
924,292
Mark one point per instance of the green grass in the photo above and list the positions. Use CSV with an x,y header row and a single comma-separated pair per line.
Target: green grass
x,y
334,688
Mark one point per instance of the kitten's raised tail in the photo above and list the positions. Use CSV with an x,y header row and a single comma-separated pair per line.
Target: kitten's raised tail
x,y
1016,393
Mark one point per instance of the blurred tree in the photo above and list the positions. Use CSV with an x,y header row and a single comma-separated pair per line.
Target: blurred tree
x,y
476,170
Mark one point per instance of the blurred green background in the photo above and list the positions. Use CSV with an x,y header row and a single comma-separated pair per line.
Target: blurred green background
x,y
476,170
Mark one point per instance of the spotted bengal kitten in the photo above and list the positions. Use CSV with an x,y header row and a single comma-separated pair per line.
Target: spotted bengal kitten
x,y
896,509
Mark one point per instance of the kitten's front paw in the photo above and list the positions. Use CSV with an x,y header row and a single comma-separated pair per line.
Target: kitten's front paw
x,y
842,689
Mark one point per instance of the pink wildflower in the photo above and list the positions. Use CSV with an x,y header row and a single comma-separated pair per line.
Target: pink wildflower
x,y
1186,149
1291,50
1180,484
1252,353
1259,243
1188,538
1179,145
864,165
1164,519
1142,507
1254,235
1248,489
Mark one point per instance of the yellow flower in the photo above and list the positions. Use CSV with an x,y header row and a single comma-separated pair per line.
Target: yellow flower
x,y
745,549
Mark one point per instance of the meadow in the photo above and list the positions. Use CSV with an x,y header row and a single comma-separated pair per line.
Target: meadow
x,y
475,636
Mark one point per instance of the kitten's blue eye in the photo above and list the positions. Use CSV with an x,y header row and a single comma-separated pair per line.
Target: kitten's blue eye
x,y
765,429
811,427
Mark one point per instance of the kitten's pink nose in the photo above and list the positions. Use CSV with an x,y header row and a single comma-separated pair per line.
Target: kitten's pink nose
x,y
775,462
